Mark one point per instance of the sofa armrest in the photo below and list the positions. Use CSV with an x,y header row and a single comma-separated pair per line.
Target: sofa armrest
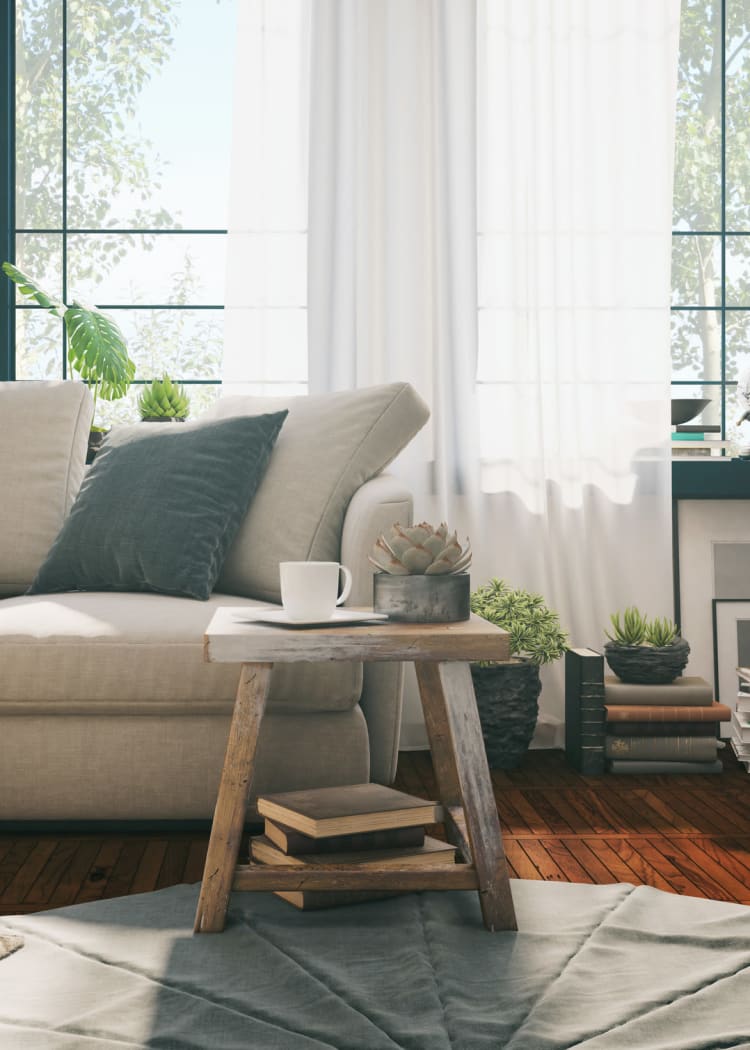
x,y
373,509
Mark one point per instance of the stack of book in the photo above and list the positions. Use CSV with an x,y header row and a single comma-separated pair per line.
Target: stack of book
x,y
359,825
740,726
698,439
663,728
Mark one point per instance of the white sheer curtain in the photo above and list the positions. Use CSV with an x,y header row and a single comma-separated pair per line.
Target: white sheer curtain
x,y
265,316
489,217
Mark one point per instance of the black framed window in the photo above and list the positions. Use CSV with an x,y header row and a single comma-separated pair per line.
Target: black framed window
x,y
711,238
120,132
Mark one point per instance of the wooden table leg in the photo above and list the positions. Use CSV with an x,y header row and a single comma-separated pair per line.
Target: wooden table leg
x,y
231,803
463,778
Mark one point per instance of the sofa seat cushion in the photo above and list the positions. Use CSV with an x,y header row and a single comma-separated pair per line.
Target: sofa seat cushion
x,y
330,445
45,431
121,651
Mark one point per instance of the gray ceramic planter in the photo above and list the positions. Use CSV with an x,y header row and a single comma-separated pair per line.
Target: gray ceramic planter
x,y
422,599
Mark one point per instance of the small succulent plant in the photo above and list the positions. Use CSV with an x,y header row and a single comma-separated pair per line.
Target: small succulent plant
x,y
637,629
535,631
163,399
417,550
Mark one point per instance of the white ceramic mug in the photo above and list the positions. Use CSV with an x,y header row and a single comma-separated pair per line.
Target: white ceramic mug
x,y
310,589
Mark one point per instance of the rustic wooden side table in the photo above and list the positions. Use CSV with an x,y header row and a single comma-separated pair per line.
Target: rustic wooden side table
x,y
440,653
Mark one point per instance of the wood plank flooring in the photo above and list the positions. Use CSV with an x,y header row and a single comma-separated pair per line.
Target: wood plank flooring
x,y
682,834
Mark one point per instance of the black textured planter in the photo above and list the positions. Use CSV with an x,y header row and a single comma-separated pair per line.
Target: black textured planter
x,y
96,437
647,664
507,700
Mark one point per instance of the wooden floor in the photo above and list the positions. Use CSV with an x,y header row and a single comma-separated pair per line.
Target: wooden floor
x,y
688,835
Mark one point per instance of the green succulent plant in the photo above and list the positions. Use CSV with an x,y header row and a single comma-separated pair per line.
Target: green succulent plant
x,y
163,399
637,629
535,631
417,550
96,346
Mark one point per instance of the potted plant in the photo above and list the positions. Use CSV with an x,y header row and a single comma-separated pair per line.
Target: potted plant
x,y
162,401
421,574
650,652
96,346
508,694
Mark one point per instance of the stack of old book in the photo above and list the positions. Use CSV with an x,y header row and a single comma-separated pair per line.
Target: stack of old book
x,y
740,727
359,825
663,728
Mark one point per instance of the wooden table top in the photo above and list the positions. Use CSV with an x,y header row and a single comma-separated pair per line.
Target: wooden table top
x,y
231,639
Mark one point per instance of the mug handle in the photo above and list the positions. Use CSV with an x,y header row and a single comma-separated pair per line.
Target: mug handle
x,y
347,585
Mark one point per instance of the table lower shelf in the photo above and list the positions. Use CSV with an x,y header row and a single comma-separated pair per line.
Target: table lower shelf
x,y
268,877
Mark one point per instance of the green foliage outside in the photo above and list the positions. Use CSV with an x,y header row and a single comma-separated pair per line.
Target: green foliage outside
x,y
535,631
696,261
636,629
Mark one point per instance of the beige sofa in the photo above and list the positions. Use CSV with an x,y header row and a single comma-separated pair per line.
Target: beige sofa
x,y
107,709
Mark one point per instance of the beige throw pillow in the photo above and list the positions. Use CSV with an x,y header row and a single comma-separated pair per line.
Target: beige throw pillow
x,y
330,445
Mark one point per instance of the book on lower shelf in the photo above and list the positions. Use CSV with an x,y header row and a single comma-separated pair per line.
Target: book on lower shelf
x,y
316,900
711,713
740,727
290,841
319,812
432,853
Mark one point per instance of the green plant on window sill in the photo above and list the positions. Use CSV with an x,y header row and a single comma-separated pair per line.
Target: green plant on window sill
x,y
163,400
96,346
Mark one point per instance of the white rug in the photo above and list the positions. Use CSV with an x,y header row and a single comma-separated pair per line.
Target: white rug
x,y
593,967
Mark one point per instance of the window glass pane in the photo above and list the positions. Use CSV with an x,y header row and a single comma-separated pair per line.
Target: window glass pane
x,y
738,271
156,269
697,184
39,114
696,271
737,342
149,113
738,107
39,256
696,344
39,346
184,344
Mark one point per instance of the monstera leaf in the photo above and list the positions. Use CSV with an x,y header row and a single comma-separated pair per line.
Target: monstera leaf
x,y
97,351
96,346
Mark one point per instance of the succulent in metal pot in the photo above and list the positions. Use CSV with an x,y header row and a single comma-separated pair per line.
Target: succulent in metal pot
x,y
417,550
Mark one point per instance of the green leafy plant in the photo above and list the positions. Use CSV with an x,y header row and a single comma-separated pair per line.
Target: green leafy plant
x,y
637,629
163,399
535,631
96,346
632,629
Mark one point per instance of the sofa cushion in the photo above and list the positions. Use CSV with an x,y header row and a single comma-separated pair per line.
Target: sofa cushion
x,y
330,445
139,653
45,429
160,507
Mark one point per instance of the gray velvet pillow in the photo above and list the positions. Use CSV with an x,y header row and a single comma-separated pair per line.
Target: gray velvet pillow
x,y
159,508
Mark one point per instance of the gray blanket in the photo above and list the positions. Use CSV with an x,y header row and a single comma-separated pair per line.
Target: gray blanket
x,y
593,967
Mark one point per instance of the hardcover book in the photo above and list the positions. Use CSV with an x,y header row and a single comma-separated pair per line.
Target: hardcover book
x,y
687,691
432,853
741,726
657,729
656,766
320,812
666,748
714,712
584,710
290,841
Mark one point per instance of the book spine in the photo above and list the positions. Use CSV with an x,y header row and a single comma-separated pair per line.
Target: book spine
x,y
584,710
666,748
657,729
292,841
653,713
624,695
657,766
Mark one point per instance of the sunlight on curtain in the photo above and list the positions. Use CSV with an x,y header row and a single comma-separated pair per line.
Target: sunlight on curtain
x,y
265,323
576,116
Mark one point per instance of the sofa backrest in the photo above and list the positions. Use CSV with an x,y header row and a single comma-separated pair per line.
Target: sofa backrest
x,y
329,446
44,430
